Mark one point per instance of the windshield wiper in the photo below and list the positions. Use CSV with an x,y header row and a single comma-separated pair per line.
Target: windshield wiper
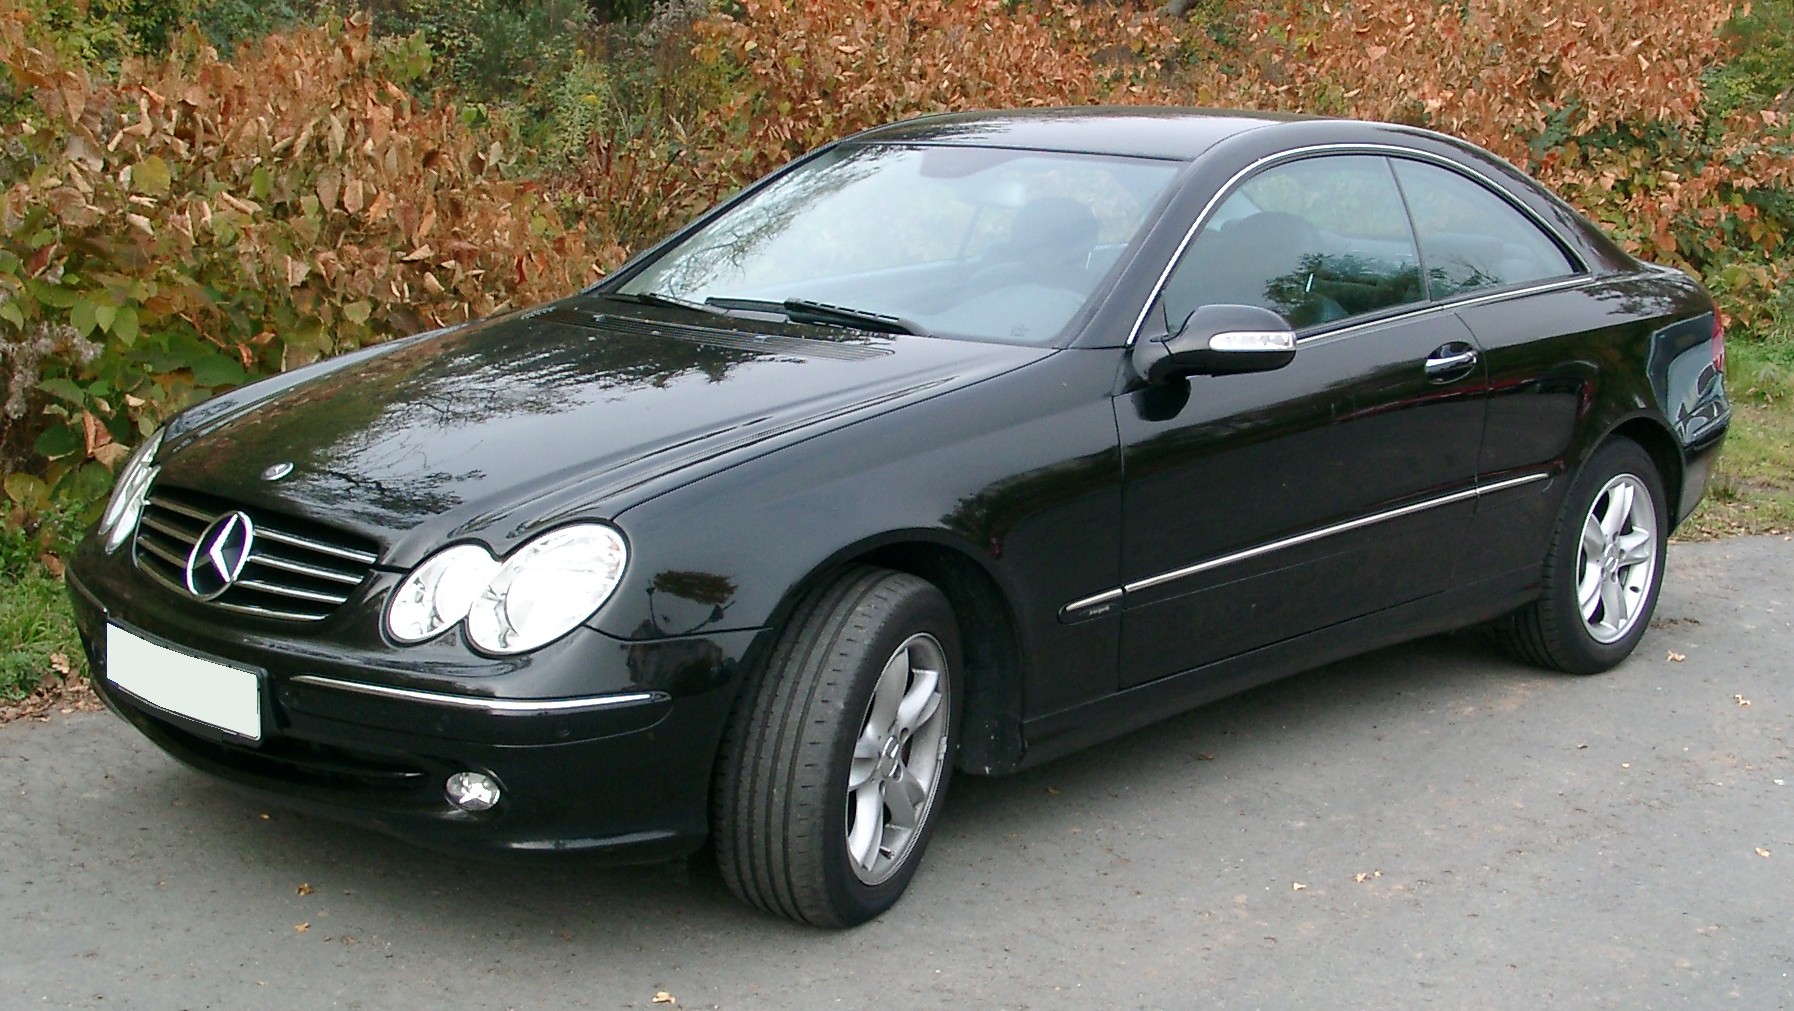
x,y
665,301
804,310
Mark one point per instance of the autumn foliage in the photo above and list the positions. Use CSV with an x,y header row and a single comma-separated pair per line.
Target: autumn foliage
x,y
194,222
1600,99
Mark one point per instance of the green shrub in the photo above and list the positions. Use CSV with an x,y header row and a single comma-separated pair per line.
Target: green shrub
x,y
1762,69
491,50
231,23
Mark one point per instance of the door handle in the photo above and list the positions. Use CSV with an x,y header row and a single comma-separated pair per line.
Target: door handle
x,y
1450,361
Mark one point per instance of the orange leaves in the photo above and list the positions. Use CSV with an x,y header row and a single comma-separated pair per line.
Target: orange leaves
x,y
297,202
286,206
811,71
1493,64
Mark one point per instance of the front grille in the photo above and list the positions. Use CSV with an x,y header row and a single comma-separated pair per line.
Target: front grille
x,y
296,571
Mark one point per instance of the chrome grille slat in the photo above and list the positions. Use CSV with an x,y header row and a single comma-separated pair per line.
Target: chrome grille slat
x,y
170,530
360,557
271,612
294,572
187,511
299,569
161,552
164,580
291,591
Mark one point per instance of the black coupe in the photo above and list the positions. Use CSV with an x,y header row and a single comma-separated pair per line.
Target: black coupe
x,y
953,446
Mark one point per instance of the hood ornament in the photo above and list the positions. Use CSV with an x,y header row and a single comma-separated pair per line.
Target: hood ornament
x,y
275,472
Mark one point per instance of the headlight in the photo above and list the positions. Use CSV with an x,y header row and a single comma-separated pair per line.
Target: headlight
x,y
547,587
438,593
128,492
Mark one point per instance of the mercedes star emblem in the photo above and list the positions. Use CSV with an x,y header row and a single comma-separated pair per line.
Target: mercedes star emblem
x,y
218,557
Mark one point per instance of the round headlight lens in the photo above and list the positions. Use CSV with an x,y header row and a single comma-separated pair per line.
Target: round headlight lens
x,y
547,587
128,492
438,593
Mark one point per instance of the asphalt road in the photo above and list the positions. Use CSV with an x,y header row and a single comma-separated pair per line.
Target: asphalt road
x,y
1430,826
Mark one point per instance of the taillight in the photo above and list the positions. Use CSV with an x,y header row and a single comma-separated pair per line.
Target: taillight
x,y
1717,347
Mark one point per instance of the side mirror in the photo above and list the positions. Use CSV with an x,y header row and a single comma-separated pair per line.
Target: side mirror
x,y
1218,340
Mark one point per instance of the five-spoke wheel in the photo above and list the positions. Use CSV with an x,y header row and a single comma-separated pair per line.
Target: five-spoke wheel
x,y
1602,569
1617,562
897,759
835,762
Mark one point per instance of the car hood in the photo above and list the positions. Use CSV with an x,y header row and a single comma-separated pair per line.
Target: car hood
x,y
493,429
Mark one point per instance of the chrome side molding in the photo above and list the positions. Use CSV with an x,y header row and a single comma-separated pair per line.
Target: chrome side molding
x,y
1099,604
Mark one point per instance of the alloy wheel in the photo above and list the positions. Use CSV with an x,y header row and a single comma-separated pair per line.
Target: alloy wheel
x,y
1617,558
898,758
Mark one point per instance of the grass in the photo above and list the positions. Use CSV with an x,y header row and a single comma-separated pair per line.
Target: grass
x,y
37,636
1752,488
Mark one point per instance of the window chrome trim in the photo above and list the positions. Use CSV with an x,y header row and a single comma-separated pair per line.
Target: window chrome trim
x,y
1419,309
1368,147
1071,611
494,707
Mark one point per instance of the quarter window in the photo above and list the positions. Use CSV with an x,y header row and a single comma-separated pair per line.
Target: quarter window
x,y
1315,240
1472,239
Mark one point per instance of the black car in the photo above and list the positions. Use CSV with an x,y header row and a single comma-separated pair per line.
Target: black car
x,y
959,444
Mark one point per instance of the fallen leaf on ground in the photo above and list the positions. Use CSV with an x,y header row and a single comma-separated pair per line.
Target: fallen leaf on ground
x,y
663,998
303,889
1741,700
1762,852
1053,791
301,927
1676,657
59,662
1297,886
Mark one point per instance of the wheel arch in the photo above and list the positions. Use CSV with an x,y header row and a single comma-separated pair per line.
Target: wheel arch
x,y
992,681
1660,445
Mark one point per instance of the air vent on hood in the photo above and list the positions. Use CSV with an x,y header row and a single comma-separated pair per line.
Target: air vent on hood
x,y
295,570
740,340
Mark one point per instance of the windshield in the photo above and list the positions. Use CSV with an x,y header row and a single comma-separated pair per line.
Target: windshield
x,y
984,243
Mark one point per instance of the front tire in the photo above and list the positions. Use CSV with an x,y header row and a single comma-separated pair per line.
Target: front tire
x,y
836,761
1603,569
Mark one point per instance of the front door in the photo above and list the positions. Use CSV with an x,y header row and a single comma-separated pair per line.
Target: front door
x,y
1259,507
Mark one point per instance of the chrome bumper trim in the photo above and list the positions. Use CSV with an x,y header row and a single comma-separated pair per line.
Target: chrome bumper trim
x,y
496,707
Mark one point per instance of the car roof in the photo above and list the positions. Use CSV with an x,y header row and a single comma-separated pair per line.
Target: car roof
x,y
1138,131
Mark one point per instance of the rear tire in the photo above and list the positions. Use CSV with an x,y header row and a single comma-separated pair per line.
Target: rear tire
x,y
1602,570
836,761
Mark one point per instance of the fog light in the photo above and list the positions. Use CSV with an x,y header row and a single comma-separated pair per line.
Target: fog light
x,y
472,791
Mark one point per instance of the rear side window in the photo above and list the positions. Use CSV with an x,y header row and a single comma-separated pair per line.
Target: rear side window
x,y
1472,239
1314,240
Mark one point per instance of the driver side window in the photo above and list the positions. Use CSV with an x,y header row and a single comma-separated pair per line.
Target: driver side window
x,y
1313,240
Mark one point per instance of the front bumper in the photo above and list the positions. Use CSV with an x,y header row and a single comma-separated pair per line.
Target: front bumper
x,y
616,761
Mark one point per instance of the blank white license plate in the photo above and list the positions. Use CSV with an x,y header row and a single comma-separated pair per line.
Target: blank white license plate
x,y
216,694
